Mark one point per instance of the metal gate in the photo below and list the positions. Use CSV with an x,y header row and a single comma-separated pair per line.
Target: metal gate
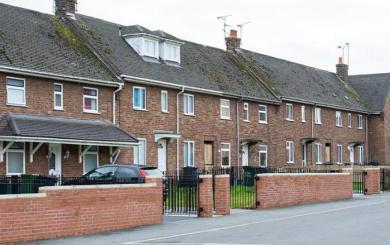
x,y
243,189
181,195
385,179
358,184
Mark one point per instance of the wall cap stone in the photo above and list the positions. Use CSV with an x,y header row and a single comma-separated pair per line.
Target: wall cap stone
x,y
71,187
300,174
205,176
15,196
222,176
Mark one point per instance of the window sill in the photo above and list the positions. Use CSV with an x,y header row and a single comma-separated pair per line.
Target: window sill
x,y
139,109
17,105
289,120
303,121
92,112
57,109
227,119
290,162
247,121
339,126
318,123
360,128
263,122
165,112
319,163
190,115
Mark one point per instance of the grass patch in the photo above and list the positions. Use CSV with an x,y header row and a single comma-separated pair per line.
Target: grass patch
x,y
242,196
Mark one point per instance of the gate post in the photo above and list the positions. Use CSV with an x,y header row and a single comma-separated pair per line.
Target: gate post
x,y
372,181
205,196
222,194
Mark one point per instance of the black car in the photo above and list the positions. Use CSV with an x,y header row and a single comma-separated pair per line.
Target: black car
x,y
114,174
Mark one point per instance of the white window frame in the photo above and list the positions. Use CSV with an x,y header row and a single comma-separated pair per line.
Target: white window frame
x,y
339,154
303,113
360,121
290,112
360,154
224,107
265,112
339,119
141,97
226,150
136,155
318,153
317,115
186,107
24,160
59,108
168,47
89,152
188,143
266,155
166,101
156,48
91,97
349,120
290,151
16,88
246,109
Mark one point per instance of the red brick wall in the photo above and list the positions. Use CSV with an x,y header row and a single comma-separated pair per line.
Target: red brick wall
x,y
282,190
372,181
222,194
206,196
68,211
377,139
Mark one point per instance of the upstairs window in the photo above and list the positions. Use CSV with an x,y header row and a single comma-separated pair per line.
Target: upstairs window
x,y
349,120
172,52
225,109
164,101
290,151
16,91
58,97
225,155
317,115
140,152
90,98
360,122
139,98
339,119
150,48
188,101
303,113
189,153
263,114
246,112
289,112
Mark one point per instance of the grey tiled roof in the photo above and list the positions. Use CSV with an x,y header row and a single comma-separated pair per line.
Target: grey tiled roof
x,y
292,80
52,127
374,88
40,42
201,66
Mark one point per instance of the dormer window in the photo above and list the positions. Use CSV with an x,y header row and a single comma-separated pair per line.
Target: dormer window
x,y
170,52
150,48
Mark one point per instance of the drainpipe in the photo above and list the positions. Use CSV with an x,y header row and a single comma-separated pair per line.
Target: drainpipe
x,y
114,103
178,130
238,132
367,152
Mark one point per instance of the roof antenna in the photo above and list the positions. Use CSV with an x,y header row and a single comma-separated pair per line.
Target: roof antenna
x,y
223,18
342,49
240,28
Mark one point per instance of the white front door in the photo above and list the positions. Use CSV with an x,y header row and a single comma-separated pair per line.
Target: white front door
x,y
351,154
55,159
245,155
162,155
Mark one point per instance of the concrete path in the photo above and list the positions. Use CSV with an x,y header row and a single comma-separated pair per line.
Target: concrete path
x,y
363,220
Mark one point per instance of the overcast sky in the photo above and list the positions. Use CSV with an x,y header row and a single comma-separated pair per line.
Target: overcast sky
x,y
304,31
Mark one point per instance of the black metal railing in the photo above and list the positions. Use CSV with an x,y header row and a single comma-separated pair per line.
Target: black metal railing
x,y
358,184
25,184
181,195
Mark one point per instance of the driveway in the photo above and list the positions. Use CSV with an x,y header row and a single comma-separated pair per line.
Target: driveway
x,y
362,220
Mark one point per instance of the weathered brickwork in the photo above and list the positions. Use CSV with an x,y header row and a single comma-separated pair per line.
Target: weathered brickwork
x,y
74,211
282,190
205,196
222,194
372,181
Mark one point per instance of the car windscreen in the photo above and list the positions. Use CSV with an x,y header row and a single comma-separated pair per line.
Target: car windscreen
x,y
102,172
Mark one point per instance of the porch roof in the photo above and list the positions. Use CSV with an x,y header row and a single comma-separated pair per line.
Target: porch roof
x,y
54,129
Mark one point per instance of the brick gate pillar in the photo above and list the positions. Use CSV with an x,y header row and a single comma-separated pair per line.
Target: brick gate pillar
x,y
222,194
205,195
372,181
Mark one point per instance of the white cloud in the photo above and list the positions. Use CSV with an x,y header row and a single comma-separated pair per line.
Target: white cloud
x,y
305,31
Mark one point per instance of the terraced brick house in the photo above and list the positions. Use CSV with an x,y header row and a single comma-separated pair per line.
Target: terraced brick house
x,y
151,98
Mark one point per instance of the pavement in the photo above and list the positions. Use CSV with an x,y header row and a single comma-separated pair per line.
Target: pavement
x,y
361,220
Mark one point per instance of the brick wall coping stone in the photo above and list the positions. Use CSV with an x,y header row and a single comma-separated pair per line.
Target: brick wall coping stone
x,y
14,196
370,168
222,176
301,174
205,176
71,187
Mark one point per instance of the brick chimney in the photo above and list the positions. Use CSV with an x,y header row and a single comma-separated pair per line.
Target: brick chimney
x,y
232,41
65,8
342,70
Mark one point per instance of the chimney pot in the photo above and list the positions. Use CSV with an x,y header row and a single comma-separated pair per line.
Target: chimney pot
x,y
232,41
233,33
341,60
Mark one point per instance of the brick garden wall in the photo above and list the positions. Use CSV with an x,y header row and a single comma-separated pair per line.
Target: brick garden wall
x,y
282,190
72,211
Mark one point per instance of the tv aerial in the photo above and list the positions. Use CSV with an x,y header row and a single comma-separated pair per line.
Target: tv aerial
x,y
241,27
225,25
